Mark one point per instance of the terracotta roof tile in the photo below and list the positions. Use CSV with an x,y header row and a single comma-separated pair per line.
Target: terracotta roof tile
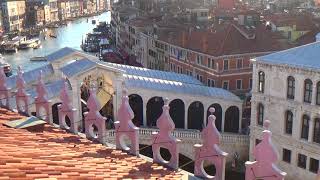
x,y
55,154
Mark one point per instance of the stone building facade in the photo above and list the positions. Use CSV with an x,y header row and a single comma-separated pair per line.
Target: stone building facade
x,y
286,91
13,13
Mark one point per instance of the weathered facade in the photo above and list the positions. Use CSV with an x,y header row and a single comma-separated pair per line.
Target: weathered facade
x,y
286,91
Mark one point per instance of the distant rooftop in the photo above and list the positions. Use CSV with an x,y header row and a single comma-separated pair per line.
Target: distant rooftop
x,y
306,56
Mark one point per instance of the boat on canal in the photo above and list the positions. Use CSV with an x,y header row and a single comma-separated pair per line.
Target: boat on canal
x,y
31,43
6,66
38,58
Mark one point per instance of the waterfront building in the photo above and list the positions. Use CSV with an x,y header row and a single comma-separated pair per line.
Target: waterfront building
x,y
286,91
64,9
74,8
13,14
89,7
35,13
54,14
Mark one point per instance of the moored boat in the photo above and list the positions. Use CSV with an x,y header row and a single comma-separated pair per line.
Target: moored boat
x,y
38,58
6,66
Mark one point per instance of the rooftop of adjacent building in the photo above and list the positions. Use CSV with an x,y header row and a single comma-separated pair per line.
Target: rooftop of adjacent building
x,y
306,56
56,154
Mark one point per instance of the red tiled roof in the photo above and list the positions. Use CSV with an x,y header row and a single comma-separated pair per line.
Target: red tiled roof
x,y
57,154
227,40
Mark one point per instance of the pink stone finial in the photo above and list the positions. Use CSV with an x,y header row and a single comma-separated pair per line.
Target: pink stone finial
x,y
4,91
266,156
93,103
22,98
66,110
266,124
210,151
164,139
41,101
125,127
94,118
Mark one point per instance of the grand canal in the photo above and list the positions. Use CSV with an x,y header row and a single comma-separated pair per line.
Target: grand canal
x,y
67,36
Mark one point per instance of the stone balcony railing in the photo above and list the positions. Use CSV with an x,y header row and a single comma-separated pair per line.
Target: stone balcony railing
x,y
189,135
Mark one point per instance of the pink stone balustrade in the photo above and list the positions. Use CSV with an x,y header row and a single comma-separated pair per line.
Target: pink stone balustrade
x,y
125,128
94,120
165,139
4,91
22,98
210,151
65,110
266,156
41,101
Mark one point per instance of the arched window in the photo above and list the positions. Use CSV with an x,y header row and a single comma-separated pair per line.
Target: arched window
x,y
260,114
318,93
305,127
288,123
261,82
291,86
316,132
307,90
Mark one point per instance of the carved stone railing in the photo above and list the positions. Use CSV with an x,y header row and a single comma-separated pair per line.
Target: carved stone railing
x,y
190,135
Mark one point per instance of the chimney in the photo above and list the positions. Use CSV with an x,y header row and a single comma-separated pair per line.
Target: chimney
x,y
204,43
318,37
184,39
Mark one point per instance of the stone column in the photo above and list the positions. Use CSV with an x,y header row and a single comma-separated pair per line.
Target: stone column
x,y
314,93
311,125
144,112
240,118
186,118
222,118
296,127
76,101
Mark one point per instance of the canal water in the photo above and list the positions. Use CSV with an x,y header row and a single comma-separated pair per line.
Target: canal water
x,y
67,36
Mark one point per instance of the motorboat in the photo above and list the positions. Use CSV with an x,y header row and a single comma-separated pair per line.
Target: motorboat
x,y
31,43
53,36
11,46
38,58
6,66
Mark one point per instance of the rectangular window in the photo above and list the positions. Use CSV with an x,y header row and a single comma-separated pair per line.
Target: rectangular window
x,y
286,155
225,65
209,63
318,94
314,165
239,84
240,63
199,60
225,85
302,161
250,83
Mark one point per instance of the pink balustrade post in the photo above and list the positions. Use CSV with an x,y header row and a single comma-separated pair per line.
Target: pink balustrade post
x,y
65,110
266,156
164,139
210,151
125,128
94,120
4,91
318,175
42,102
22,98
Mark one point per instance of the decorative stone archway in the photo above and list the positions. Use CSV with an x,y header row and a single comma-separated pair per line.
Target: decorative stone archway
x,y
154,110
136,104
177,112
195,115
232,118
